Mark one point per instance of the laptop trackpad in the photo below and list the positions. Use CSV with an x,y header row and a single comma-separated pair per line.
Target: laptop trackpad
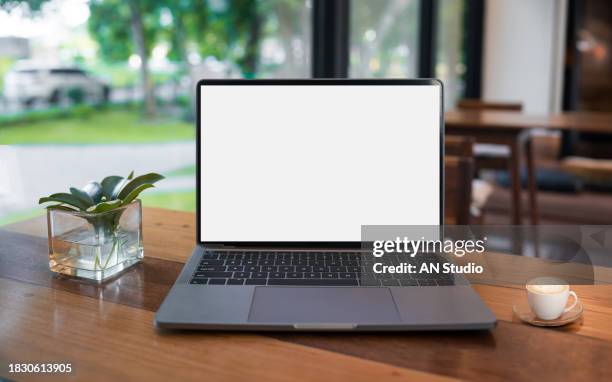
x,y
323,305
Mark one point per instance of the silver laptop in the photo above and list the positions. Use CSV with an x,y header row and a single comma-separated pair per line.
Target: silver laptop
x,y
288,172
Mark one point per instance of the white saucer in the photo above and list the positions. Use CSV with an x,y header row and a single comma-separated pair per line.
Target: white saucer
x,y
523,312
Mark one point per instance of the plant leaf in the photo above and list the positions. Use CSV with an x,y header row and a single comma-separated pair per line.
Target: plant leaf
x,y
82,196
109,184
137,182
105,206
134,194
61,207
64,198
94,190
120,185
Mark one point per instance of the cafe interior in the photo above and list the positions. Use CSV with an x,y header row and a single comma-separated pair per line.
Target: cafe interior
x,y
529,132
528,99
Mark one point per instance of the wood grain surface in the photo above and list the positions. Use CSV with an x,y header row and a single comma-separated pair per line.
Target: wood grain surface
x,y
106,341
591,122
107,330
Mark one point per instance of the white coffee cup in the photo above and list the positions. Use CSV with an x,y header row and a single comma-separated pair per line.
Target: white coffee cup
x,y
548,297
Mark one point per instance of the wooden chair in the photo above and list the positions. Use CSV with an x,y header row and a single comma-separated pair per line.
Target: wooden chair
x,y
458,174
497,157
490,156
595,171
458,146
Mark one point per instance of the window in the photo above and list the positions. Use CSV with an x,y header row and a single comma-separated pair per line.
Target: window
x,y
595,44
450,54
48,145
153,130
384,38
285,42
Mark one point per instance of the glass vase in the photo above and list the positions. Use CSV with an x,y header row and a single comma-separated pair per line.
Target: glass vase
x,y
95,246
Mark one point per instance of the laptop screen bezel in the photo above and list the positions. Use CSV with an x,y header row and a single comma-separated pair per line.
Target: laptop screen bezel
x,y
314,82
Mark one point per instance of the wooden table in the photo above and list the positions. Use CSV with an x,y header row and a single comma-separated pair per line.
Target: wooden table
x,y
513,130
107,331
584,122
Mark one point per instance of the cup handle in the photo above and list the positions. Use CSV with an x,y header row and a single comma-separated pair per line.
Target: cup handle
x,y
574,304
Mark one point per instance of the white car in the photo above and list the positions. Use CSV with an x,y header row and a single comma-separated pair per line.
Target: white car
x,y
27,83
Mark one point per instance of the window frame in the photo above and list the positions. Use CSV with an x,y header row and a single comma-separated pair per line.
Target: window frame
x,y
331,41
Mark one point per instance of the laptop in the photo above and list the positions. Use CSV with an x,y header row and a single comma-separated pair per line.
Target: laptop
x,y
288,174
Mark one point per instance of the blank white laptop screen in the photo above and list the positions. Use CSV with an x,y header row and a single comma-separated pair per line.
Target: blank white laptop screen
x,y
313,163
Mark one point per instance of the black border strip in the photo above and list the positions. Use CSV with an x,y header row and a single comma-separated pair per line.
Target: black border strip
x,y
283,82
330,38
427,37
474,28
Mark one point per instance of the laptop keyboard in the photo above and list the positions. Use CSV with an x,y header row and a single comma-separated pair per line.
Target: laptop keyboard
x,y
310,269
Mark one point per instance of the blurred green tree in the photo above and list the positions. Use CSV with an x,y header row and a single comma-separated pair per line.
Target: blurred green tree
x,y
122,28
34,6
244,30
107,24
229,30
378,29
225,29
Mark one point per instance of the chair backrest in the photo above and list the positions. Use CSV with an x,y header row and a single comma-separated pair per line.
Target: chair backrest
x,y
458,174
476,104
458,145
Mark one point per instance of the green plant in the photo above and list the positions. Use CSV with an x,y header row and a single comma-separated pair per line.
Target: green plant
x,y
101,204
112,193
